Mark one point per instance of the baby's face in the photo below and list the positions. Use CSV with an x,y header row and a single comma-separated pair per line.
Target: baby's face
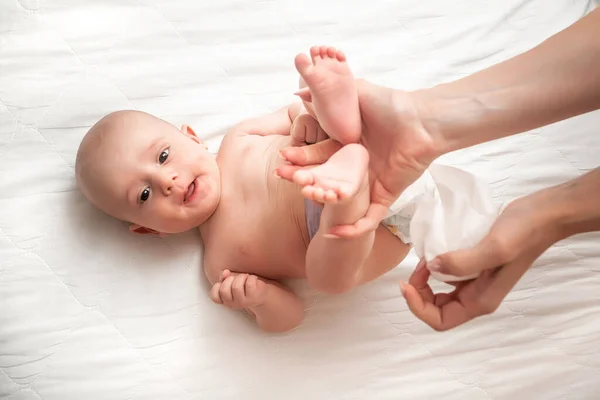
x,y
157,177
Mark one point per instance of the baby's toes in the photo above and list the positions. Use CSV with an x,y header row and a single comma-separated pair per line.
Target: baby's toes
x,y
319,194
331,196
303,177
344,192
315,53
309,192
303,64
323,51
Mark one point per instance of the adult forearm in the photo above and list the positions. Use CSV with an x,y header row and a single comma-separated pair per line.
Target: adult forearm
x,y
556,80
578,204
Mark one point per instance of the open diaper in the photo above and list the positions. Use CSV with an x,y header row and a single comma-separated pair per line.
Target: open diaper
x,y
446,209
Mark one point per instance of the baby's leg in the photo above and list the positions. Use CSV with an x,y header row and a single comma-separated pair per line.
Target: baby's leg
x,y
329,94
333,264
335,181
332,92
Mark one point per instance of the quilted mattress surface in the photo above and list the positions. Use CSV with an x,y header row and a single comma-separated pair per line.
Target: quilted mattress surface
x,y
89,311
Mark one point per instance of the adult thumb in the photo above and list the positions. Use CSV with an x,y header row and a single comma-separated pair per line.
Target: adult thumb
x,y
464,262
311,154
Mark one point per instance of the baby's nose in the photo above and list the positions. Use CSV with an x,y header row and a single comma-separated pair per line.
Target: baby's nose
x,y
167,180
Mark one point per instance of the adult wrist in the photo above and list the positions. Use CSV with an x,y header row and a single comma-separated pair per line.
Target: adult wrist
x,y
577,205
448,119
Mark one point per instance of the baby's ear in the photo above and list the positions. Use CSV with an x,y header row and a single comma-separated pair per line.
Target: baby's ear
x,y
140,230
187,130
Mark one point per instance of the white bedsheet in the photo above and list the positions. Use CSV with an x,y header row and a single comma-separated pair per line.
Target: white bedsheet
x,y
89,311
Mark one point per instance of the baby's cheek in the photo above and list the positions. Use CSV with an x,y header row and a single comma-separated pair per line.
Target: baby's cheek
x,y
155,216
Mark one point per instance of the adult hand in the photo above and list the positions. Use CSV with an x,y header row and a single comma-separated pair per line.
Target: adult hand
x,y
525,230
399,147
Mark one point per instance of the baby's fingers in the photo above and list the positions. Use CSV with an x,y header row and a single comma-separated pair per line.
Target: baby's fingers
x,y
225,290
251,285
224,275
239,288
214,293
255,290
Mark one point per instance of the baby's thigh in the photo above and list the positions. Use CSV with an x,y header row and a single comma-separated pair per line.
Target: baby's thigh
x,y
387,252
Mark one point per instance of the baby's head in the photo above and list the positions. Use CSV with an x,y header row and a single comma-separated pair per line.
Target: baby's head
x,y
141,169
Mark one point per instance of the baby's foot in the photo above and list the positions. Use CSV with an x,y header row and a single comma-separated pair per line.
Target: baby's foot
x,y
339,179
332,92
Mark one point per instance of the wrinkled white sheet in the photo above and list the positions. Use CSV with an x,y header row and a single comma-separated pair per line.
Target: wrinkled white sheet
x,y
88,311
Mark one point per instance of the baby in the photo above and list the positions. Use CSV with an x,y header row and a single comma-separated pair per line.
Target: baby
x,y
257,229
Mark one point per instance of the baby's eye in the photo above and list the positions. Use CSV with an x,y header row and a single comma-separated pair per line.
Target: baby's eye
x,y
145,195
163,156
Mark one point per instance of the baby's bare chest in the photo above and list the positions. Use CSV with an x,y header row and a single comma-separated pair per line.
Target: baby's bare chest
x,y
260,226
270,247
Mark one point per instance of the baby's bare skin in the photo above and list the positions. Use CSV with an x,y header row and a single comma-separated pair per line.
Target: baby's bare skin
x,y
162,180
255,208
140,169
272,241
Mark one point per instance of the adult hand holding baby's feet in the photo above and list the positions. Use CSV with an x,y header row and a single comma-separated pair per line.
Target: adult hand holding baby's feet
x,y
238,291
400,149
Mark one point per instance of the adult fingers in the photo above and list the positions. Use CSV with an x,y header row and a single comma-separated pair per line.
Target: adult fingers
x,y
440,311
286,171
419,280
375,213
489,253
316,153
304,94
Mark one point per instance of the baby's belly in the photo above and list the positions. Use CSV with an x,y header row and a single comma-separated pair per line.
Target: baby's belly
x,y
288,250
278,242
281,258
274,223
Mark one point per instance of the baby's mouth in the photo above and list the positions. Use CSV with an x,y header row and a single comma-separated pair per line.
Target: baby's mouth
x,y
190,192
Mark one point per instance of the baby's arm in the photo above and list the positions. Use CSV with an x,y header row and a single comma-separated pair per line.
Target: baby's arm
x,y
274,307
276,123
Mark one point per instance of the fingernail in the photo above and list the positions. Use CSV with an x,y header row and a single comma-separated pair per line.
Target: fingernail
x,y
403,289
276,174
280,154
434,265
421,264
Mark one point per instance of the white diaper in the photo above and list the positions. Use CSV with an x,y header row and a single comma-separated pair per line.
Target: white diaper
x,y
446,209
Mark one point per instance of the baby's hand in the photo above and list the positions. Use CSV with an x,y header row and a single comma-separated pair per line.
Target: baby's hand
x,y
238,291
306,130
